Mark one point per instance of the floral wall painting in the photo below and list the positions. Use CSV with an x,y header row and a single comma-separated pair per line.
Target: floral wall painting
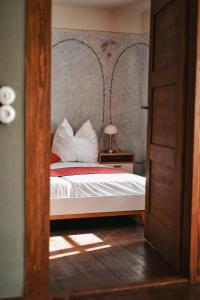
x,y
107,47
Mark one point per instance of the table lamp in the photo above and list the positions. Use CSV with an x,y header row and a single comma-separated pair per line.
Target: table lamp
x,y
110,130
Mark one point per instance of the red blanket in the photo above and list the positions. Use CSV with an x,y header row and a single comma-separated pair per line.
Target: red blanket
x,y
83,171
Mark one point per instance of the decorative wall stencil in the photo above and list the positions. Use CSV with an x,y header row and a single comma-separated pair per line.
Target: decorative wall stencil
x,y
107,47
102,76
126,99
101,68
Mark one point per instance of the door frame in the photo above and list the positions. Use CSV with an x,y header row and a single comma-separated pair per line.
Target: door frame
x,y
38,57
195,150
37,147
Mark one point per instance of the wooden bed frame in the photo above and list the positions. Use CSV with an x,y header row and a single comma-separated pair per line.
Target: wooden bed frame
x,y
141,213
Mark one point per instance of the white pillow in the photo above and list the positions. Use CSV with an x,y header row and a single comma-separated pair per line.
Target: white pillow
x,y
83,146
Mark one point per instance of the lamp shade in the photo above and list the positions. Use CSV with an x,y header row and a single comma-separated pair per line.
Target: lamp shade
x,y
111,130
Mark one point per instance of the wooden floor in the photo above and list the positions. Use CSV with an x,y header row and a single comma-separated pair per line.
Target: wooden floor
x,y
111,253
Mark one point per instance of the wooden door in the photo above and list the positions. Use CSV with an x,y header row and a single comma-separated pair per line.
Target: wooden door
x,y
164,201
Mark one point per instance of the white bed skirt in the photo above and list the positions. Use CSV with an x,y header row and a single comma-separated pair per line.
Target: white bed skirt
x,y
86,205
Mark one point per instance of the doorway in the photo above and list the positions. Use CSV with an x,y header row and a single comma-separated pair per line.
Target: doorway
x,y
108,70
42,164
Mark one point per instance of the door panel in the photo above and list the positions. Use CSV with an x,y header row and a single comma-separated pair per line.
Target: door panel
x,y
166,128
163,121
165,44
162,187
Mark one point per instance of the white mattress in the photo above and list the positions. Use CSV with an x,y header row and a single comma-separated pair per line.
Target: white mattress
x,y
94,185
95,193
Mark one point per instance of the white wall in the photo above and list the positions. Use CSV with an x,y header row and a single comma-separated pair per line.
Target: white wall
x,y
72,17
146,20
132,18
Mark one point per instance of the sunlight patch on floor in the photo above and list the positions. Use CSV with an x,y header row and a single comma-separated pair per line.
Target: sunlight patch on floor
x,y
57,243
62,246
85,239
63,254
97,248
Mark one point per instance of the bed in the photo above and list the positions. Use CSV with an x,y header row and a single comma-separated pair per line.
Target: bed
x,y
95,195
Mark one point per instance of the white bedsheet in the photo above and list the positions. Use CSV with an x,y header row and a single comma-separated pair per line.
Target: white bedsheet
x,y
94,185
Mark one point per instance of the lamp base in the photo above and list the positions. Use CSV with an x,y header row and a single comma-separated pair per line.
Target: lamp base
x,y
110,151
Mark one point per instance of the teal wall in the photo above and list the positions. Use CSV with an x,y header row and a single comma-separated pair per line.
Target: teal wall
x,y
12,44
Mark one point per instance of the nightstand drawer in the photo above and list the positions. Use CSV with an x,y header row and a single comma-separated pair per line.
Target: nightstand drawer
x,y
116,157
128,167
120,160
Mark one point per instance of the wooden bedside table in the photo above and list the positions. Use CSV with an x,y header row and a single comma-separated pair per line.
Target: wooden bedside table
x,y
123,160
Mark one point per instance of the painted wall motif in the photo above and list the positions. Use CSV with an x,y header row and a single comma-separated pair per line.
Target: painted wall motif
x,y
102,76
